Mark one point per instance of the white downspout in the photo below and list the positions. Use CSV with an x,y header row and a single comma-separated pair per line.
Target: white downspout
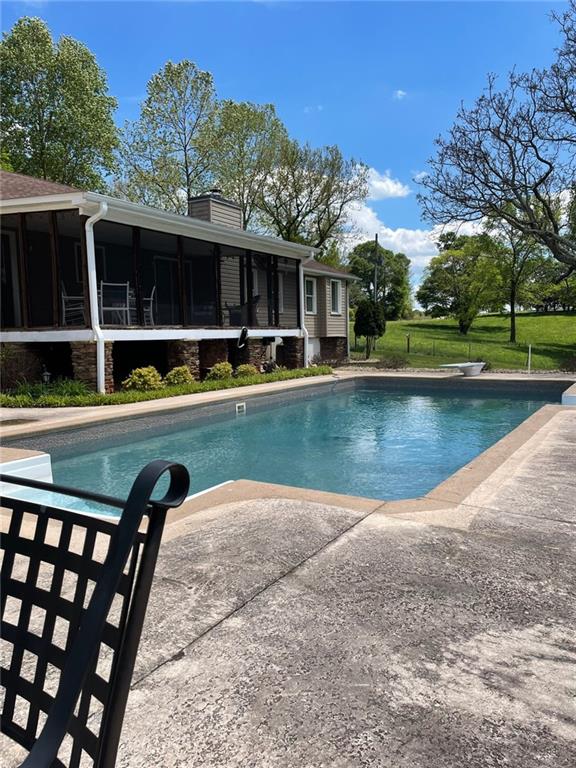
x,y
303,309
347,289
93,295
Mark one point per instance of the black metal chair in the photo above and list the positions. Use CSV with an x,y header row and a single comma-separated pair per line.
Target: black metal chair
x,y
74,594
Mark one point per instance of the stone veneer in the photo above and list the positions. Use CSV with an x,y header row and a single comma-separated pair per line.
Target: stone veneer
x,y
184,352
210,352
253,352
333,349
291,353
19,362
84,363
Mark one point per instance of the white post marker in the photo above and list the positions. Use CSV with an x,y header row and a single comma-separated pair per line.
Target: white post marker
x,y
529,358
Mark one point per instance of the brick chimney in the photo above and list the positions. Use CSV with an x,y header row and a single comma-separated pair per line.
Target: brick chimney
x,y
216,209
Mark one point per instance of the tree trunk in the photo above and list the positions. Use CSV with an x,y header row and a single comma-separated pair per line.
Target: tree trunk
x,y
368,346
463,326
513,314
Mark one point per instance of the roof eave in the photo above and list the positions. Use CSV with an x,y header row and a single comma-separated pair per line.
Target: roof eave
x,y
125,212
334,275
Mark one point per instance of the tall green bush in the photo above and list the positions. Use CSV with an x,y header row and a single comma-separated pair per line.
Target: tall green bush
x,y
143,379
220,371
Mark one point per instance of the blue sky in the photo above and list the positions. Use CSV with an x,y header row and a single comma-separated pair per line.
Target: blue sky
x,y
380,79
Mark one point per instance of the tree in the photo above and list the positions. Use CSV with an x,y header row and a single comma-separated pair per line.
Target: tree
x,y
166,154
547,290
511,156
244,144
307,196
518,258
554,87
332,255
57,117
462,282
369,322
392,272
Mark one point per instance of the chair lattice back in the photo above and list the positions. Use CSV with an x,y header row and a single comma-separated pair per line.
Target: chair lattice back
x,y
74,590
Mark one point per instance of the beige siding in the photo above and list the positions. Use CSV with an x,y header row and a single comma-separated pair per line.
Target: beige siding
x,y
335,324
228,215
289,318
230,286
200,209
312,322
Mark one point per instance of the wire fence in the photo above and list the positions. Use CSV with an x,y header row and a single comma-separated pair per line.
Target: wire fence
x,y
520,355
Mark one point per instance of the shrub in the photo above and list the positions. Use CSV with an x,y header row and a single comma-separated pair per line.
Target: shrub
x,y
569,365
178,376
246,370
136,396
143,379
393,362
57,388
369,322
220,371
487,364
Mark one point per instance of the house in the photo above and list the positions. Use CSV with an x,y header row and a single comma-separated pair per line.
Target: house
x,y
326,311
93,286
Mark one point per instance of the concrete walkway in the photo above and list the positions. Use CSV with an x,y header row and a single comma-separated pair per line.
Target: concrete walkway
x,y
293,634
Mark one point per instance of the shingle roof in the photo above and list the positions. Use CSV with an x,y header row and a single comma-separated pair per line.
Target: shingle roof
x,y
326,269
15,185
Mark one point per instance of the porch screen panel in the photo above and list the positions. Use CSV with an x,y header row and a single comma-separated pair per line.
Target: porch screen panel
x,y
263,289
115,273
39,269
235,307
11,311
200,289
159,282
289,286
71,267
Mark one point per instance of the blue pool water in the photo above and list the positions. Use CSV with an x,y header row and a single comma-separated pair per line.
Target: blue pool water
x,y
367,442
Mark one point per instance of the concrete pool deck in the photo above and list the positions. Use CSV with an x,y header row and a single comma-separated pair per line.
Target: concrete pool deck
x,y
289,633
290,628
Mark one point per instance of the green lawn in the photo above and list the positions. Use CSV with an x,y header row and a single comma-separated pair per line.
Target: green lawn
x,y
433,342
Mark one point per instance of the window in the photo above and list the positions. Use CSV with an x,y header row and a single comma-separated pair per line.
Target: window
x,y
336,297
310,294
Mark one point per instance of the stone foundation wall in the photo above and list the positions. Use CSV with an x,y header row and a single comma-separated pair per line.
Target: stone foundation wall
x,y
333,349
254,352
210,352
291,353
19,362
84,363
184,352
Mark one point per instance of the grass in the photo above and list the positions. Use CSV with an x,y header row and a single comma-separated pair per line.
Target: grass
x,y
433,342
61,394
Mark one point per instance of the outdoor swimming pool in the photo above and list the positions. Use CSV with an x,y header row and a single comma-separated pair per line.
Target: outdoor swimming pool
x,y
374,442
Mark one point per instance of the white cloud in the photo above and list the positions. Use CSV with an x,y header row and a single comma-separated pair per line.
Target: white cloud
x,y
382,186
314,108
419,176
399,95
419,245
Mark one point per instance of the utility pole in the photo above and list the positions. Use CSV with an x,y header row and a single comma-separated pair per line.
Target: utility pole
x,y
376,268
